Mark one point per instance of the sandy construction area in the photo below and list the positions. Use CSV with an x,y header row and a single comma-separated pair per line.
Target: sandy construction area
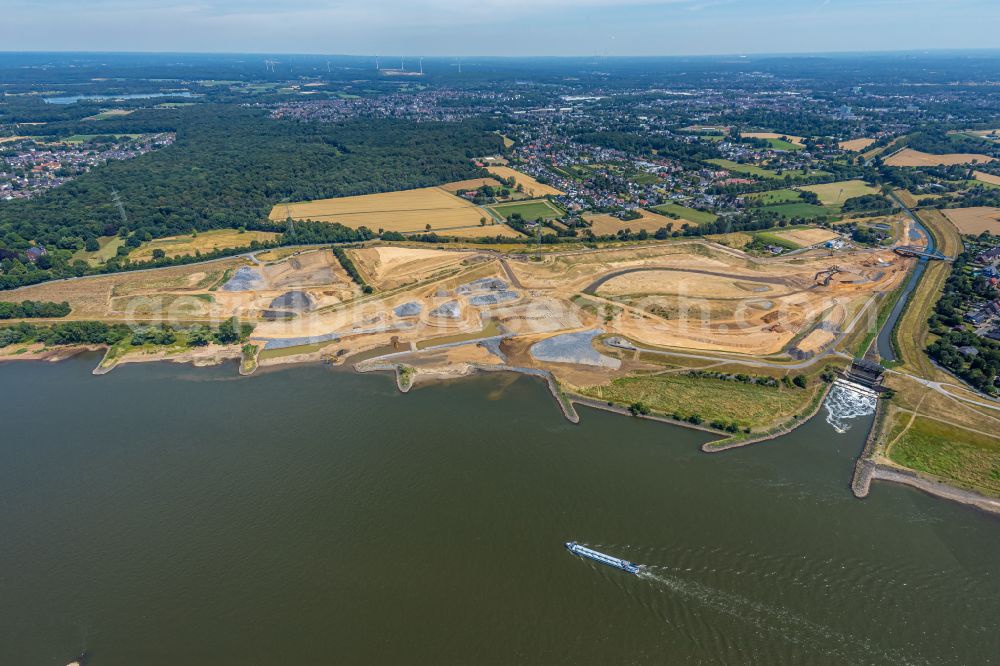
x,y
687,294
856,145
531,186
92,297
986,177
816,341
185,293
975,220
404,211
388,267
679,282
602,224
702,296
806,237
914,158
319,267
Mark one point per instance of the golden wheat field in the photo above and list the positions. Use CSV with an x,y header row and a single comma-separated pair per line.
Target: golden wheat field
x,y
206,241
603,224
975,220
797,140
531,186
471,184
986,177
403,211
856,145
915,158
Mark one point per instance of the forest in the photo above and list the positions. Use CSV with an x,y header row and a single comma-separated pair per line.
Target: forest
x,y
940,142
227,168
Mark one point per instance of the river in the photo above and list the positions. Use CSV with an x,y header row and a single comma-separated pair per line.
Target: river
x,y
883,343
165,515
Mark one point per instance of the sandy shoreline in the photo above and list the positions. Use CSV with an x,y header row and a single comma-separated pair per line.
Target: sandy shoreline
x,y
52,354
867,468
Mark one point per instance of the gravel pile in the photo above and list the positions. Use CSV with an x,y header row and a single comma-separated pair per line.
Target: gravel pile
x,y
494,298
482,284
296,301
573,348
411,309
449,310
245,279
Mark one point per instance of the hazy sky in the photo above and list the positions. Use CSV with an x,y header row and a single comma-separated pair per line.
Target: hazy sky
x,y
498,27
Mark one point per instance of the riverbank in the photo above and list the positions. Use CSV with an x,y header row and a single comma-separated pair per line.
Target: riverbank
x,y
38,352
206,356
466,360
873,465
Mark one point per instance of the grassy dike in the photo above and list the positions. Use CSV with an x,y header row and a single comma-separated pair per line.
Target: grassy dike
x,y
740,412
933,438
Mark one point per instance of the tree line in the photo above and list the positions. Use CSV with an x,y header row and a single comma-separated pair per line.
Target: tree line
x,y
33,310
230,331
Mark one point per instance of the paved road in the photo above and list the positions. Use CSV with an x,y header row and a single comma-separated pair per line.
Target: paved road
x,y
592,288
940,388
510,273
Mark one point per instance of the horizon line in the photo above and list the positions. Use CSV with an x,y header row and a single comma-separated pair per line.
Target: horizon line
x,y
734,54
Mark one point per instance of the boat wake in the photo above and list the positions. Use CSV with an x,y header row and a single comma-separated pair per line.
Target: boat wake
x,y
846,403
790,628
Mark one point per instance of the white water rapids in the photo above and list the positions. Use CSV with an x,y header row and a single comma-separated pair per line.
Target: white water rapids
x,y
843,404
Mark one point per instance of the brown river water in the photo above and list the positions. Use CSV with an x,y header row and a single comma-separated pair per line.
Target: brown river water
x,y
165,515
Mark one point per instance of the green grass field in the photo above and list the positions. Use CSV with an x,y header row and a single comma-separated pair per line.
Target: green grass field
x,y
760,172
803,210
748,169
779,144
83,138
961,456
108,248
696,216
531,209
644,178
775,196
748,405
111,113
